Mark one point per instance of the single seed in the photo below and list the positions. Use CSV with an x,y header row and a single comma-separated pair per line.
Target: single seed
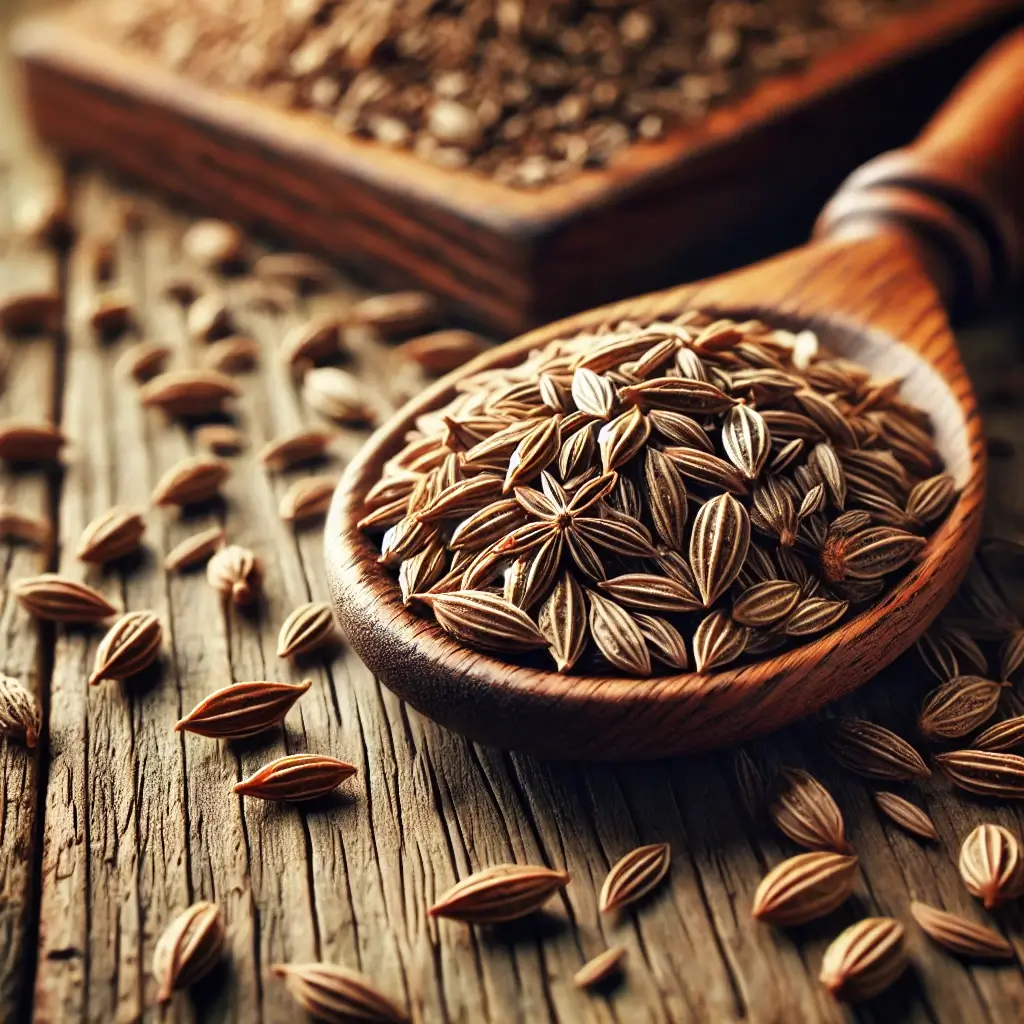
x,y
804,888
195,549
60,599
307,628
600,968
188,949
220,438
116,533
130,645
501,893
193,480
23,526
865,959
143,361
907,815
804,810
959,935
19,712
305,446
634,876
242,710
212,243
307,499
233,354
989,773
875,752
991,865
22,441
958,707
296,777
337,994
235,572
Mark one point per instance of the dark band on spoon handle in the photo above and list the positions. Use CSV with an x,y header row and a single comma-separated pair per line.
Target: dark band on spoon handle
x,y
958,190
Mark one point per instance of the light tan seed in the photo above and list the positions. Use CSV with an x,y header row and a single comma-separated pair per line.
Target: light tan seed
x,y
209,317
958,707
337,994
19,712
110,313
114,534
143,361
746,440
501,893
396,313
991,865
296,777
314,342
188,949
633,876
443,351
212,243
295,449
234,354
484,620
23,526
235,572
617,636
865,959
60,599
338,396
195,549
814,615
907,815
717,641
23,441
874,752
243,709
189,393
677,394
804,888
1005,735
959,935
307,628
193,480
621,438
826,463
130,645
600,968
220,438
307,499
31,311
535,452
991,773
718,545
593,394
766,603
804,810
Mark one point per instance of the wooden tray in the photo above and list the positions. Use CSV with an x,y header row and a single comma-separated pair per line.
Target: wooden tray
x,y
747,179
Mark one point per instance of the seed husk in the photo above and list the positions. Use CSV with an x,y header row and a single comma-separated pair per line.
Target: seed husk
x,y
295,449
959,935
804,810
865,959
717,641
305,629
193,480
189,394
195,549
599,968
718,545
875,752
617,636
766,603
1005,735
143,361
188,949
396,313
804,888
338,994
235,572
130,645
338,396
307,499
112,535
314,342
907,815
991,865
19,711
484,620
633,876
242,709
442,351
958,707
296,777
61,599
233,354
23,441
501,893
16,524
220,439
212,243
991,773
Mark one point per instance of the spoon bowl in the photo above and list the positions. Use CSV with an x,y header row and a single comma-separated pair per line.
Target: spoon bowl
x,y
893,250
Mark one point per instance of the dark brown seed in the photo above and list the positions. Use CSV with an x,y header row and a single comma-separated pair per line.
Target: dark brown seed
x,y
747,440
717,641
484,620
650,593
766,603
234,354
718,545
814,615
295,449
60,599
874,752
617,636
563,621
21,441
1005,735
958,707
709,470
989,773
666,498
242,710
296,777
664,642
443,351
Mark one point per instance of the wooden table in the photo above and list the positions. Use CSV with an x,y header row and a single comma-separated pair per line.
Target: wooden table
x,y
115,822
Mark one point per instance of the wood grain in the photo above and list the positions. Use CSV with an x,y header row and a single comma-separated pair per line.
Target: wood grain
x,y
687,206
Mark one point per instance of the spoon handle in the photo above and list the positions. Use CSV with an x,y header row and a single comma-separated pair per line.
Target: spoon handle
x,y
957,191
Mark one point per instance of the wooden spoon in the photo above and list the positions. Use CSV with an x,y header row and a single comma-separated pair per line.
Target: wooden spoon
x,y
934,226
